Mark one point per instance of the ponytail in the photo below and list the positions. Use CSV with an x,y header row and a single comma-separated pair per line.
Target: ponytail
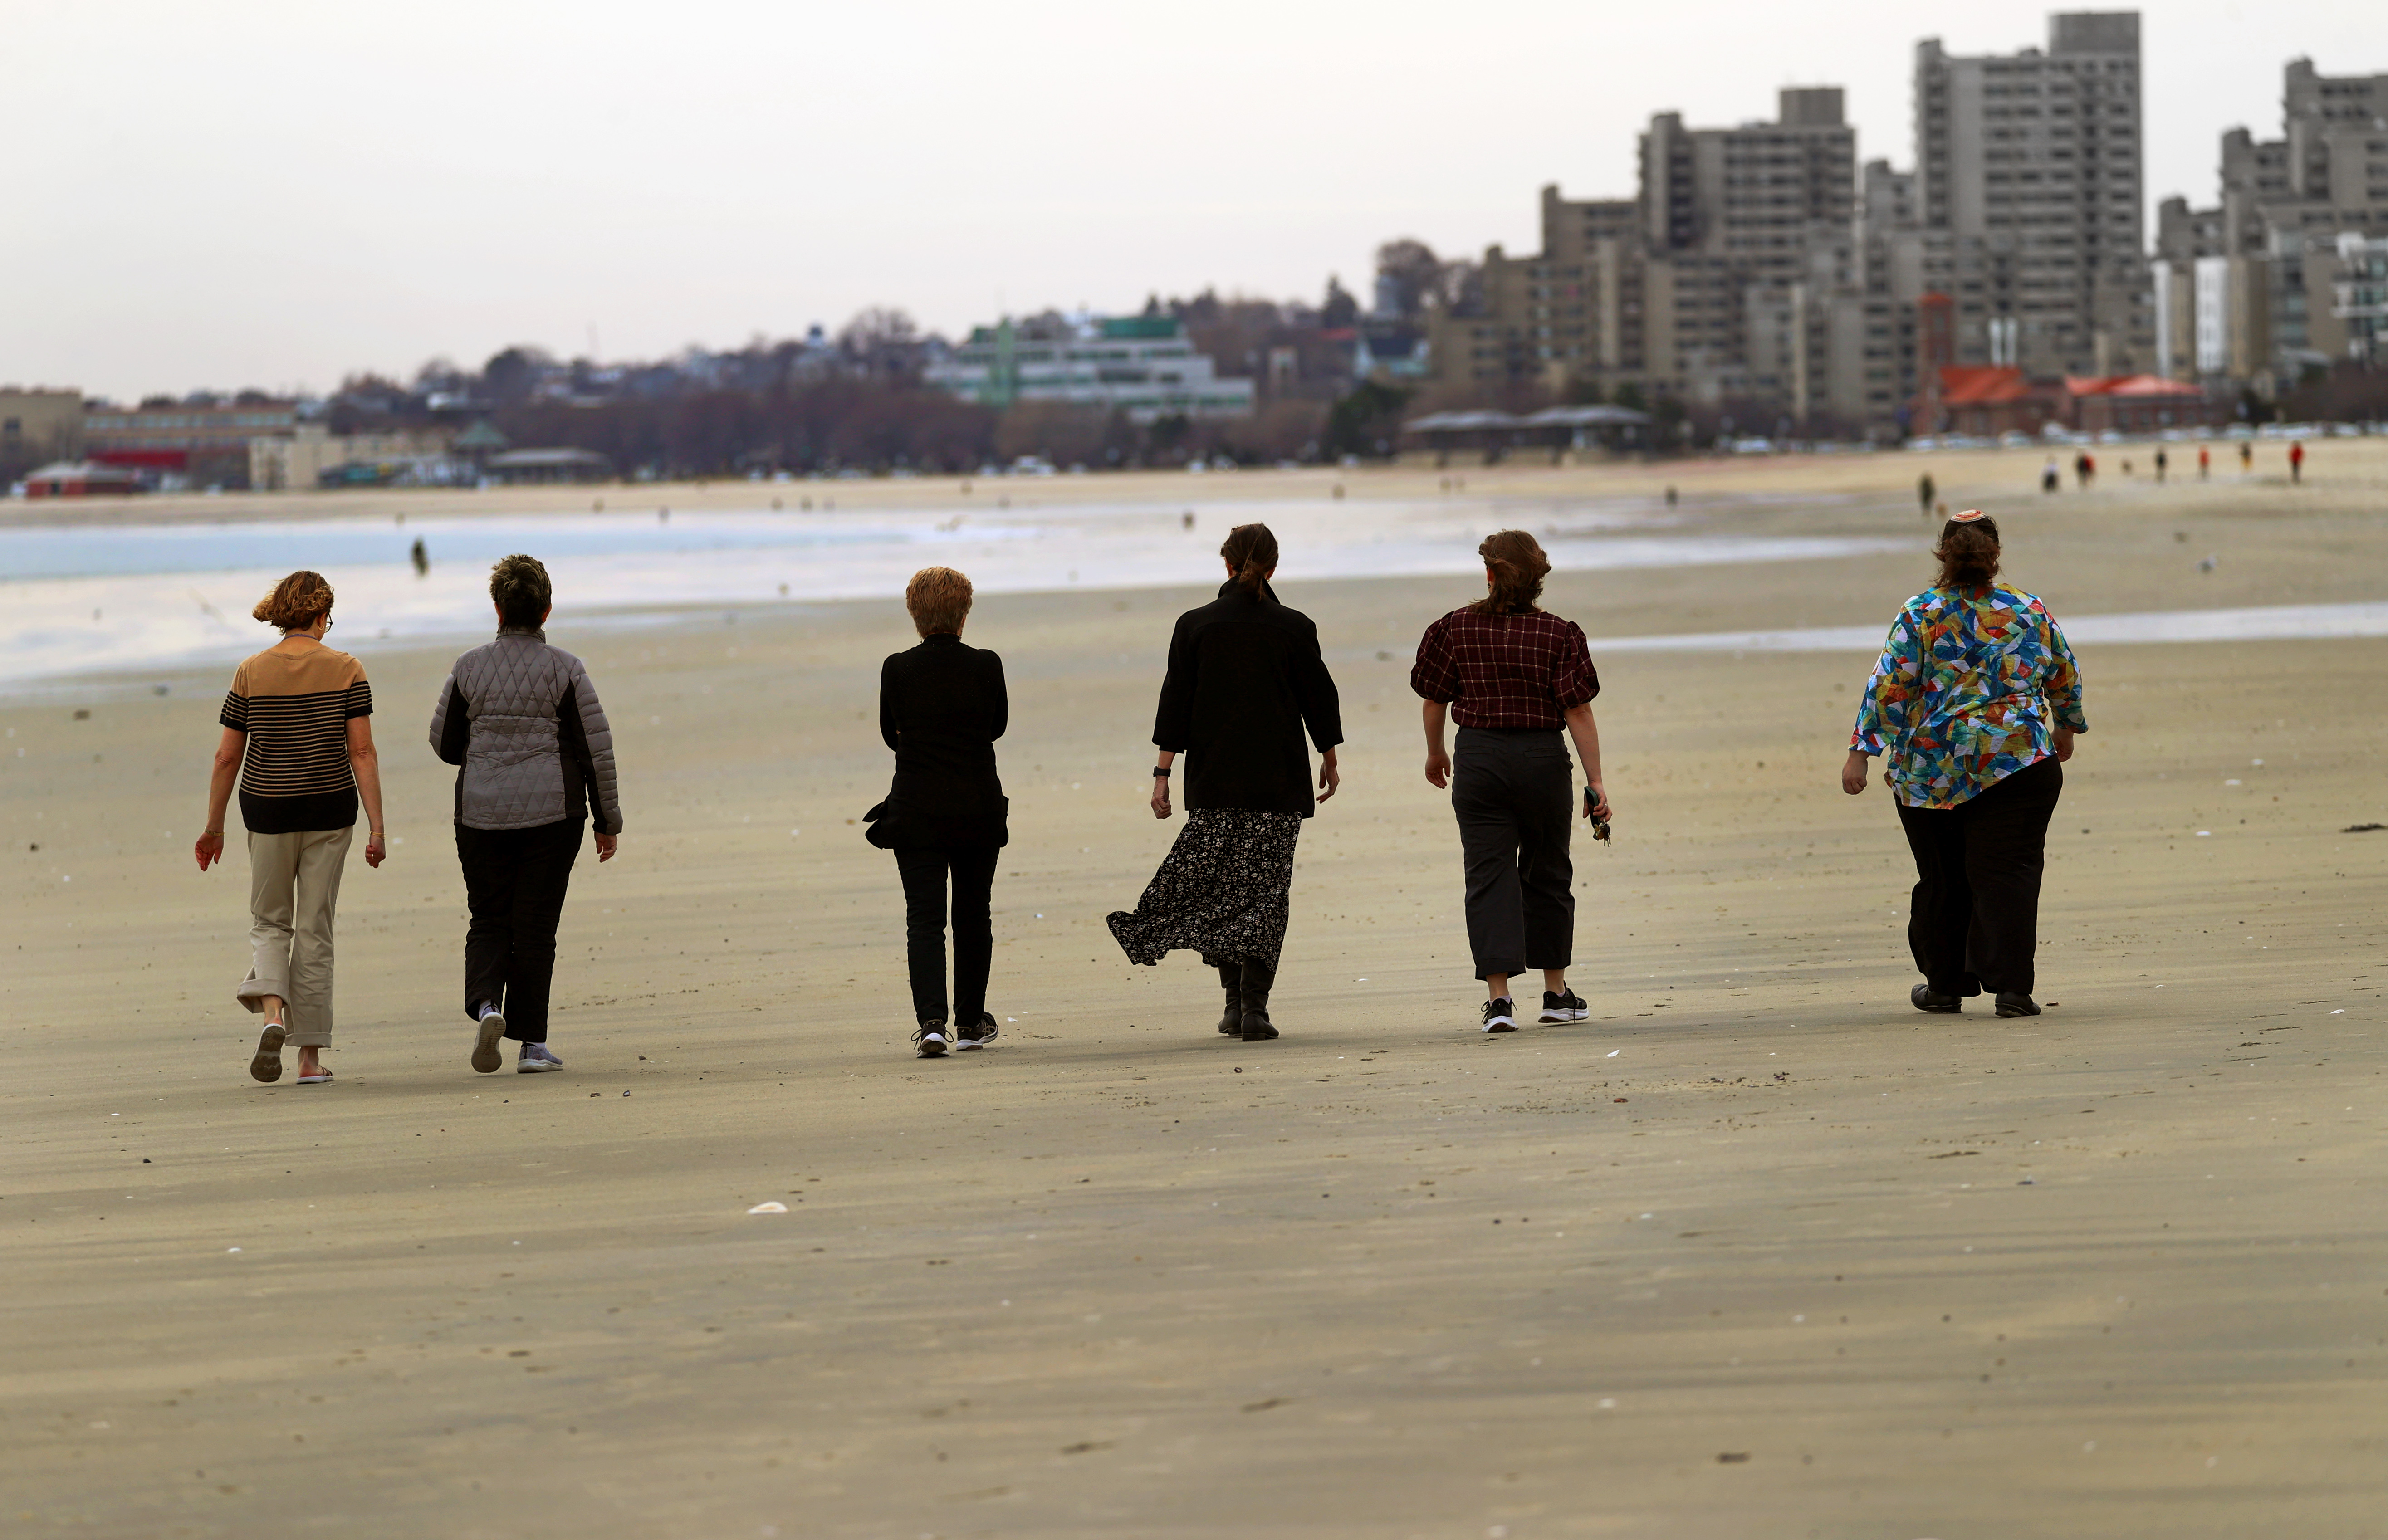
x,y
1968,551
1252,551
1517,565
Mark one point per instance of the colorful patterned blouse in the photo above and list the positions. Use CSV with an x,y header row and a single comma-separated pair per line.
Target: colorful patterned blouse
x,y
1971,687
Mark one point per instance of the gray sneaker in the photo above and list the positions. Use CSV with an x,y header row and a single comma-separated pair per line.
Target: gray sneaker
x,y
485,1037
537,1060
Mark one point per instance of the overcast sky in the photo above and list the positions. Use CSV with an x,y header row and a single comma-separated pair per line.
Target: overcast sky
x,y
279,192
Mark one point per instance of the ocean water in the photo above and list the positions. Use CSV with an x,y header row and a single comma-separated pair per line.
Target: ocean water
x,y
124,598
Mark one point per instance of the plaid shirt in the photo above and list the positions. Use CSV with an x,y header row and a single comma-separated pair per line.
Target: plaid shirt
x,y
1504,671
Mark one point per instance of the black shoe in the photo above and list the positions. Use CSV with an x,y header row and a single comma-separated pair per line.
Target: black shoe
x,y
931,1039
978,1034
1231,976
2011,1004
1499,1016
1562,1007
1939,1005
1252,991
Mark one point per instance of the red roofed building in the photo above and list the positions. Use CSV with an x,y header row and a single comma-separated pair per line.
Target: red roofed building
x,y
2141,403
1986,400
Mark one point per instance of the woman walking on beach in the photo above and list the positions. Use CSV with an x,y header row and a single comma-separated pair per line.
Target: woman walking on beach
x,y
1245,680
1974,704
522,721
942,706
1512,676
298,733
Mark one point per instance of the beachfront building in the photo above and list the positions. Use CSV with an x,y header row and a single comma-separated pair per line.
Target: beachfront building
x,y
311,455
81,479
1144,365
2261,290
37,427
184,443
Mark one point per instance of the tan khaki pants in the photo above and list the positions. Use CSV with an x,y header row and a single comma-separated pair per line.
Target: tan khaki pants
x,y
294,886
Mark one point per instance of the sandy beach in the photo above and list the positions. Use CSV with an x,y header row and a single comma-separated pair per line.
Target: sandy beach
x,y
1759,1251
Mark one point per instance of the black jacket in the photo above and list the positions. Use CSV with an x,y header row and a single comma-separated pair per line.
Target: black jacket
x,y
1245,678
941,707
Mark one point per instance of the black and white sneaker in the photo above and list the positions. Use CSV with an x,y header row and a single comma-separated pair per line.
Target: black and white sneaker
x,y
1565,1007
1499,1016
978,1034
930,1040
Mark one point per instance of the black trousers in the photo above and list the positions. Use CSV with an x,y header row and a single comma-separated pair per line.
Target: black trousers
x,y
513,883
1974,920
926,871
1511,792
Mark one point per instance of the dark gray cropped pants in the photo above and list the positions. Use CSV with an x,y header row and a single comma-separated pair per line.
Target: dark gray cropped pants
x,y
1513,792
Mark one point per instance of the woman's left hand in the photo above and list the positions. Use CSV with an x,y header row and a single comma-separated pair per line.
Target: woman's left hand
x,y
1328,776
209,850
375,851
2063,736
1161,797
1853,773
606,844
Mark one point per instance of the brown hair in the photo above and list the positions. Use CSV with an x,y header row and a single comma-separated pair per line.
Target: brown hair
x,y
1968,553
296,602
519,585
1252,550
939,598
1515,560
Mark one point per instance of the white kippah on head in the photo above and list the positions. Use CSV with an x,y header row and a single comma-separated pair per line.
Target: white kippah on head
x,y
1968,517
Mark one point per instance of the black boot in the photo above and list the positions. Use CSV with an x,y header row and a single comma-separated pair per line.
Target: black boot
x,y
1231,974
1258,978
1925,997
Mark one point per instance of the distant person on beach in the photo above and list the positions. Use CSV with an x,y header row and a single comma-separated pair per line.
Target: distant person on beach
x,y
1924,494
297,732
942,706
2246,457
2161,463
1513,675
1245,681
2049,477
534,758
2296,463
1974,704
2084,469
2204,462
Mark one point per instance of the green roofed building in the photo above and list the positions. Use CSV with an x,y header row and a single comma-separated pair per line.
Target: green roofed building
x,y
1144,365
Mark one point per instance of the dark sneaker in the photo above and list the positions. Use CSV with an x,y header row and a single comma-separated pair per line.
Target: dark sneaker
x,y
978,1034
1923,998
2011,1004
1563,1008
931,1040
1499,1016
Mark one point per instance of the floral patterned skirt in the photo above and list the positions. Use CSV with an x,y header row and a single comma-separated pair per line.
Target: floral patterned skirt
x,y
1223,890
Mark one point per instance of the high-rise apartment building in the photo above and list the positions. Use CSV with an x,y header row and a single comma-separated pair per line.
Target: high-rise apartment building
x,y
2261,283
2030,164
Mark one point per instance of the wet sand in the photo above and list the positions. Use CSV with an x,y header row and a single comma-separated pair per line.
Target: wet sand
x,y
1758,1251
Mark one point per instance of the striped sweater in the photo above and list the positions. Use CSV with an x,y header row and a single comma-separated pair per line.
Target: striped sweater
x,y
294,703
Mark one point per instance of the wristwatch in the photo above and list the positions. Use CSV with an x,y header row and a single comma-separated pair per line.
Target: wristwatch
x,y
1161,772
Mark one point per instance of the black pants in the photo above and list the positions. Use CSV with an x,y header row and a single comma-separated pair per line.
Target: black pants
x,y
1511,791
1975,921
513,883
924,873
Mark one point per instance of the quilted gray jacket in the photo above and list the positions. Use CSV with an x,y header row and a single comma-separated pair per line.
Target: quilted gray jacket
x,y
522,720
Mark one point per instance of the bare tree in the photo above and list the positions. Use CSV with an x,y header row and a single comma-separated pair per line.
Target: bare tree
x,y
1413,273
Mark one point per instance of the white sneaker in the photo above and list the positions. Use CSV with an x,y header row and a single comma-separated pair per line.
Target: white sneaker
x,y
537,1060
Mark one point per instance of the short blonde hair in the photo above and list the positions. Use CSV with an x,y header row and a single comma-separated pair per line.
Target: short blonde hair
x,y
939,598
296,602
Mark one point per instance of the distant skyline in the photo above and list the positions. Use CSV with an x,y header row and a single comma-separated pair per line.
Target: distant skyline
x,y
276,194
